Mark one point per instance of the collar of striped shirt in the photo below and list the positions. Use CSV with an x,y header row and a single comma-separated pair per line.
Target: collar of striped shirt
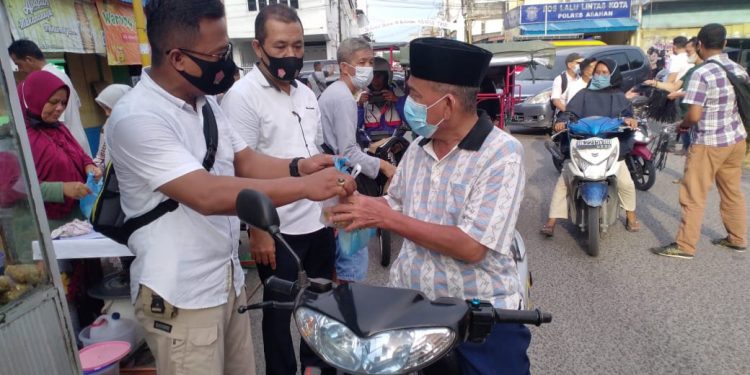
x,y
474,140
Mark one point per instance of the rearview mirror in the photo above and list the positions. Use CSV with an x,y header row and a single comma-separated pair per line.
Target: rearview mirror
x,y
256,209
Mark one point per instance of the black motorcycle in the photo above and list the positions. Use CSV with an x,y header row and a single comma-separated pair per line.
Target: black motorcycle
x,y
363,329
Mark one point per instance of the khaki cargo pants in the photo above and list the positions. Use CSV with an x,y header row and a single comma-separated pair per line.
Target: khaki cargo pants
x,y
203,341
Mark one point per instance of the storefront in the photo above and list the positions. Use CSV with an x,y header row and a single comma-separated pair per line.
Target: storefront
x,y
665,20
35,328
94,41
609,20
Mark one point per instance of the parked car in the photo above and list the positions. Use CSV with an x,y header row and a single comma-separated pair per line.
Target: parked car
x,y
536,81
329,66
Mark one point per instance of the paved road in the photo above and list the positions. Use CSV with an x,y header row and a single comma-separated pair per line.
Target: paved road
x,y
627,311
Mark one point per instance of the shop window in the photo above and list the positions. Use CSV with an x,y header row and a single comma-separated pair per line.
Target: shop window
x,y
255,5
636,58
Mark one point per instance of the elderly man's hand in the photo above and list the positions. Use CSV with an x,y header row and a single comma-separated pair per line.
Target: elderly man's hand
x,y
328,183
559,126
361,211
314,164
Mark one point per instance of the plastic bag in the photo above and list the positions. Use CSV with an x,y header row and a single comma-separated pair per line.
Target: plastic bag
x,y
354,241
340,164
87,203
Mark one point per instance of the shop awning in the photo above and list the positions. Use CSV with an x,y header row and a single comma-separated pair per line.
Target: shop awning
x,y
582,26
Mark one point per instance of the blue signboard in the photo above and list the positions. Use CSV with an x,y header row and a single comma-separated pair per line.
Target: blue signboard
x,y
561,12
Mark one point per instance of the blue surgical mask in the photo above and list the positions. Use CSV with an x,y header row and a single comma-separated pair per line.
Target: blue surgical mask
x,y
416,116
599,82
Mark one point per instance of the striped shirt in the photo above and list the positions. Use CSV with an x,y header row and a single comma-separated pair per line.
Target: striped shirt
x,y
477,187
709,87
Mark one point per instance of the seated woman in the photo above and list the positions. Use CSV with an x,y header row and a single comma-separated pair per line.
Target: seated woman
x,y
61,164
603,97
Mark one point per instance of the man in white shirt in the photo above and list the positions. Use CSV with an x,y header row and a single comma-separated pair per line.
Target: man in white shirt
x,y
186,280
568,84
29,58
278,116
679,63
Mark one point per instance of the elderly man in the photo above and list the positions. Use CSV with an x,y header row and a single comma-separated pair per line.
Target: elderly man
x,y
455,199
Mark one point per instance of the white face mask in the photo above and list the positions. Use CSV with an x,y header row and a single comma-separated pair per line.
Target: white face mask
x,y
362,77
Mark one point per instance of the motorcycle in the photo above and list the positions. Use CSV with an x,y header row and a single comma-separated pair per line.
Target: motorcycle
x,y
590,176
363,329
640,160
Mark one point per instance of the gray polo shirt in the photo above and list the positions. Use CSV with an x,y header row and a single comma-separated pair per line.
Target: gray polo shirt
x,y
338,113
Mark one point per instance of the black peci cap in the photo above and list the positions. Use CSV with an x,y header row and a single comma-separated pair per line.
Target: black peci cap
x,y
448,61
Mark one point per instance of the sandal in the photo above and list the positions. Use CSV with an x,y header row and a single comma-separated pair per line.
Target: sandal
x,y
547,230
632,226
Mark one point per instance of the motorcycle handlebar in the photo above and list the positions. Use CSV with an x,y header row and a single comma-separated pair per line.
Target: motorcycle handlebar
x,y
535,317
281,286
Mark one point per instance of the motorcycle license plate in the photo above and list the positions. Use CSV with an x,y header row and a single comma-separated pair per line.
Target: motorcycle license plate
x,y
594,144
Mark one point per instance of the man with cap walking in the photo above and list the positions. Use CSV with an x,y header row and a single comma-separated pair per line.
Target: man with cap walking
x,y
568,83
454,199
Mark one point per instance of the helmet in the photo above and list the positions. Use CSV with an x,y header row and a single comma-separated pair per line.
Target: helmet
x,y
381,65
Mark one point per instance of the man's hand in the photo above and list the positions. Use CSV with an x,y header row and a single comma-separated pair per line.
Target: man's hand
x,y
650,82
328,183
314,164
97,172
676,95
364,96
75,190
631,94
387,168
263,247
631,122
559,126
361,212
388,95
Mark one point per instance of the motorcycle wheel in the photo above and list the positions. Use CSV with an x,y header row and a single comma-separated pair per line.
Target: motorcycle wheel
x,y
643,173
558,164
592,227
384,237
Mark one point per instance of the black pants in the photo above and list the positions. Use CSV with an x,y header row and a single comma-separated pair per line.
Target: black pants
x,y
317,251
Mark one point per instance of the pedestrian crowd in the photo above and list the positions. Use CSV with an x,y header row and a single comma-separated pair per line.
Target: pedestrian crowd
x,y
454,198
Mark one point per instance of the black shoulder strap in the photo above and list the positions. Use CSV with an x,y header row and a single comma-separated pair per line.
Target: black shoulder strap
x,y
564,78
211,134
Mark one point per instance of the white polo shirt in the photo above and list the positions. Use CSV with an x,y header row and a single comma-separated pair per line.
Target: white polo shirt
x,y
154,138
282,125
575,84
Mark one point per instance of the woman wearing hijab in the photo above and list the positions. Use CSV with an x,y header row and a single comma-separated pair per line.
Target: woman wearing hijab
x,y
61,164
603,97
107,100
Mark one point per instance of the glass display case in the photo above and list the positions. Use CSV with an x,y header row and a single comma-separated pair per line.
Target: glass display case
x,y
35,328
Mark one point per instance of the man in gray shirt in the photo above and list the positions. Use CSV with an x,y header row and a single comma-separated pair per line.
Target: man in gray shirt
x,y
338,112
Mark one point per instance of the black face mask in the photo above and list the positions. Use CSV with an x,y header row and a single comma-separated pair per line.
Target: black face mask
x,y
283,68
216,76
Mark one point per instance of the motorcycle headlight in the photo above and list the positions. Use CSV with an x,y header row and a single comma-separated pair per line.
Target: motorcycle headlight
x,y
579,161
391,352
640,136
612,159
540,98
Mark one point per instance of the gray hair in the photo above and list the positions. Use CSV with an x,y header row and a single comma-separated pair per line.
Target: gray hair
x,y
349,47
466,96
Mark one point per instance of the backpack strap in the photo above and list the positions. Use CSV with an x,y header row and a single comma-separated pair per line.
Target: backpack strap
x,y
211,134
564,78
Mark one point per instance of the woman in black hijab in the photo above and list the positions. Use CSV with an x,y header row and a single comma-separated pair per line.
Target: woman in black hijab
x,y
603,97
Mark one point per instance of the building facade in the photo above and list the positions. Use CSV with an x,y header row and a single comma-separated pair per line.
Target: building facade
x,y
326,24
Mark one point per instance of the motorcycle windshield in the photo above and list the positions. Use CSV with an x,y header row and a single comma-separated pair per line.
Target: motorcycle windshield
x,y
595,126
368,310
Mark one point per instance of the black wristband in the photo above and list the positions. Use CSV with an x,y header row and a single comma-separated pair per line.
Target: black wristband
x,y
294,167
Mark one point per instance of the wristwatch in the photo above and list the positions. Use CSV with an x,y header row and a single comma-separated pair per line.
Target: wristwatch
x,y
294,167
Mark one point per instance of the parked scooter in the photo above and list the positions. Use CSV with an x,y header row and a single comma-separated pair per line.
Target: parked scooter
x,y
640,160
591,176
363,329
